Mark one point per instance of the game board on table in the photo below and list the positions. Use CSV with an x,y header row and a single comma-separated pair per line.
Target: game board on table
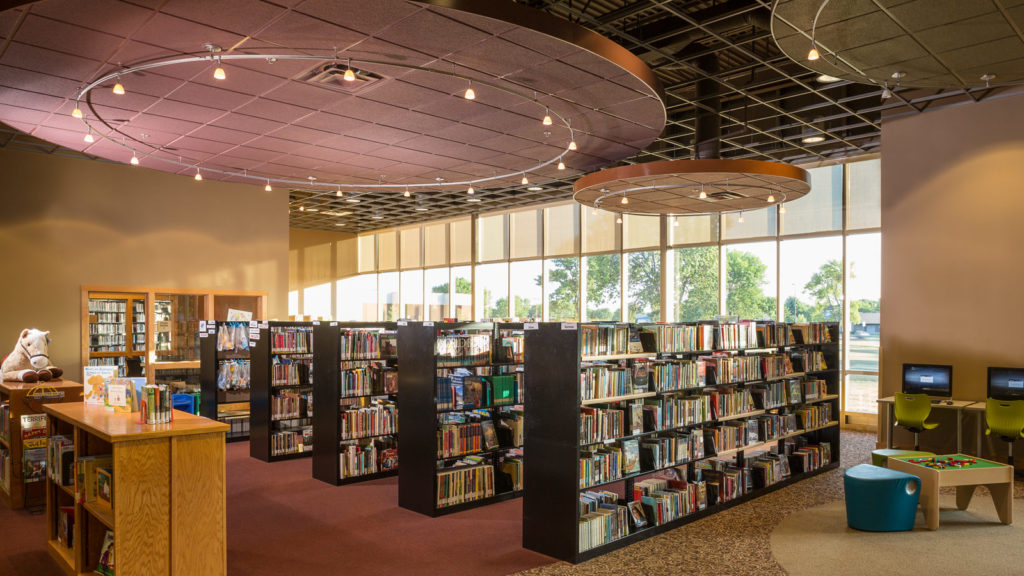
x,y
950,462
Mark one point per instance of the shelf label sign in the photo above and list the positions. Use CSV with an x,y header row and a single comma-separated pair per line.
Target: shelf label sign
x,y
254,335
334,323
202,325
568,325
428,323
264,325
530,326
403,323
254,324
316,322
203,334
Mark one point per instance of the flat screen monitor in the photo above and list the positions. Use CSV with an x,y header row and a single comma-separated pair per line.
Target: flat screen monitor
x,y
1005,383
930,379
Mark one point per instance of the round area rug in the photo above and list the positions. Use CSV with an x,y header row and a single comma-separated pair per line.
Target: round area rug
x,y
971,542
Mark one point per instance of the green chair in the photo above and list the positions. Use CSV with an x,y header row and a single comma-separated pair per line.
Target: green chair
x,y
912,412
1005,418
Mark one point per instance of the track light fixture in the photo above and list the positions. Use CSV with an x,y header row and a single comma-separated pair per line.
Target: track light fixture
x,y
741,217
267,187
782,208
470,190
88,136
470,93
77,112
675,221
561,164
547,117
407,193
219,73
771,197
198,176
118,88
703,195
813,54
135,159
625,200
525,180
349,76
338,193
618,220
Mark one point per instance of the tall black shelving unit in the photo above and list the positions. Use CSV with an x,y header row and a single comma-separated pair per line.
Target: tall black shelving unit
x,y
261,425
211,397
327,368
419,416
551,517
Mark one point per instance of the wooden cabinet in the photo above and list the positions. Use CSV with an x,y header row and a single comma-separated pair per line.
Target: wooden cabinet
x,y
25,400
168,501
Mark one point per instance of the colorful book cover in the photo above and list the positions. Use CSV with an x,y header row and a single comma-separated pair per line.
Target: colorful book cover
x,y
631,456
490,436
95,378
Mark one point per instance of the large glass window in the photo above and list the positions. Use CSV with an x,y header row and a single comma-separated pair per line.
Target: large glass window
x,y
387,250
435,244
750,280
561,230
562,288
462,294
693,229
750,223
863,290
695,284
357,298
411,248
368,253
437,293
604,287
864,208
316,301
492,291
388,290
526,287
460,236
525,232
811,279
641,231
412,294
643,286
821,210
492,238
600,231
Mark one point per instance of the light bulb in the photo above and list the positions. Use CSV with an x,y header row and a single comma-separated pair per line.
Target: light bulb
x,y
199,177
219,74
77,113
349,76
407,193
470,190
782,208
594,212
741,218
572,145
338,193
118,89
618,220
267,187
561,165
470,93
625,200
813,54
135,160
302,208
88,137
525,180
675,221
547,118
703,195
771,197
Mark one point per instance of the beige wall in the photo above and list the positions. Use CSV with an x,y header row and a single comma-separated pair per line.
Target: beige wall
x,y
69,222
952,236
317,257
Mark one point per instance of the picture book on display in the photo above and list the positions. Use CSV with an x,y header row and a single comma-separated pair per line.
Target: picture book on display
x,y
95,379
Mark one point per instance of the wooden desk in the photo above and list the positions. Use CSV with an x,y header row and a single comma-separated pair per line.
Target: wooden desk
x,y
997,477
958,405
21,494
168,513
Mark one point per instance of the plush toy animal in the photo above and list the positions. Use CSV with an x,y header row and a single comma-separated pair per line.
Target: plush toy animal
x,y
29,362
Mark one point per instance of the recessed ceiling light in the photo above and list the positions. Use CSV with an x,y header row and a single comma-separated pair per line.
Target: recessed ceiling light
x,y
344,213
826,79
339,223
352,200
423,208
472,199
813,139
312,210
378,217
534,188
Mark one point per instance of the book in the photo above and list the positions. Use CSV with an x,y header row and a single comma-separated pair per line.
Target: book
x,y
105,485
86,468
636,514
105,565
475,395
490,436
636,418
94,379
631,456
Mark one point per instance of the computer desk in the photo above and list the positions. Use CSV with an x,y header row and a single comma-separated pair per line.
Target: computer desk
x,y
959,405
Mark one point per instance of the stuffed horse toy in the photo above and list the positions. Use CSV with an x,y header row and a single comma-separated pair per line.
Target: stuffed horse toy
x,y
29,362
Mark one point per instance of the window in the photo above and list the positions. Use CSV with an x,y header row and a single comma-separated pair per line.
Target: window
x,y
600,232
693,229
436,281
641,231
435,245
561,230
864,207
863,290
461,241
492,238
695,284
750,280
604,287
821,210
462,295
316,301
387,250
411,252
293,303
756,224
525,231
368,253
492,291
388,290
526,288
562,288
811,279
357,298
412,294
643,286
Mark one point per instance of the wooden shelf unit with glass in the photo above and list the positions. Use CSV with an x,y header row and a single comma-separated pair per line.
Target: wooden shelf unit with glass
x,y
159,328
174,492
634,431
461,432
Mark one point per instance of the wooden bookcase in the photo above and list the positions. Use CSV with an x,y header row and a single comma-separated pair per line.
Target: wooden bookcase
x,y
228,406
264,428
554,360
25,399
329,362
419,417
169,500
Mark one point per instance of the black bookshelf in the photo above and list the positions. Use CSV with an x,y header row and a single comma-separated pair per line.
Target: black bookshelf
x,y
212,398
327,368
419,416
262,426
551,516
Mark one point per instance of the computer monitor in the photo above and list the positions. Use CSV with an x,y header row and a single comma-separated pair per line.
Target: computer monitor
x,y
1005,383
930,379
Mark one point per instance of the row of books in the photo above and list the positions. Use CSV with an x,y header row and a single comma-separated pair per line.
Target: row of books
x,y
464,484
676,375
512,348
605,381
60,460
5,421
291,340
602,519
291,372
814,361
374,420
291,441
456,439
728,369
811,333
604,340
728,401
290,405
368,457
462,349
368,344
461,390
107,339
99,329
98,305
815,415
676,411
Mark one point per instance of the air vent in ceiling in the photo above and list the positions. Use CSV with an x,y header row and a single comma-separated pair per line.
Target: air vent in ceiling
x,y
332,75
725,195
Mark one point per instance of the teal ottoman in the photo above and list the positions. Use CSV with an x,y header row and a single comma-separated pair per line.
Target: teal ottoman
x,y
881,456
879,499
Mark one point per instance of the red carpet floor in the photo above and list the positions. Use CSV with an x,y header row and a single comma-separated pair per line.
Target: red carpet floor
x,y
281,521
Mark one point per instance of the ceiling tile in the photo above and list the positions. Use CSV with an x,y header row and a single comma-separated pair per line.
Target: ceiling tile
x,y
225,15
349,13
276,111
431,33
296,30
67,38
183,36
110,16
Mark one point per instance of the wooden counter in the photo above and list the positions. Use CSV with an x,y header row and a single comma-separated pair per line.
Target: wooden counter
x,y
168,513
